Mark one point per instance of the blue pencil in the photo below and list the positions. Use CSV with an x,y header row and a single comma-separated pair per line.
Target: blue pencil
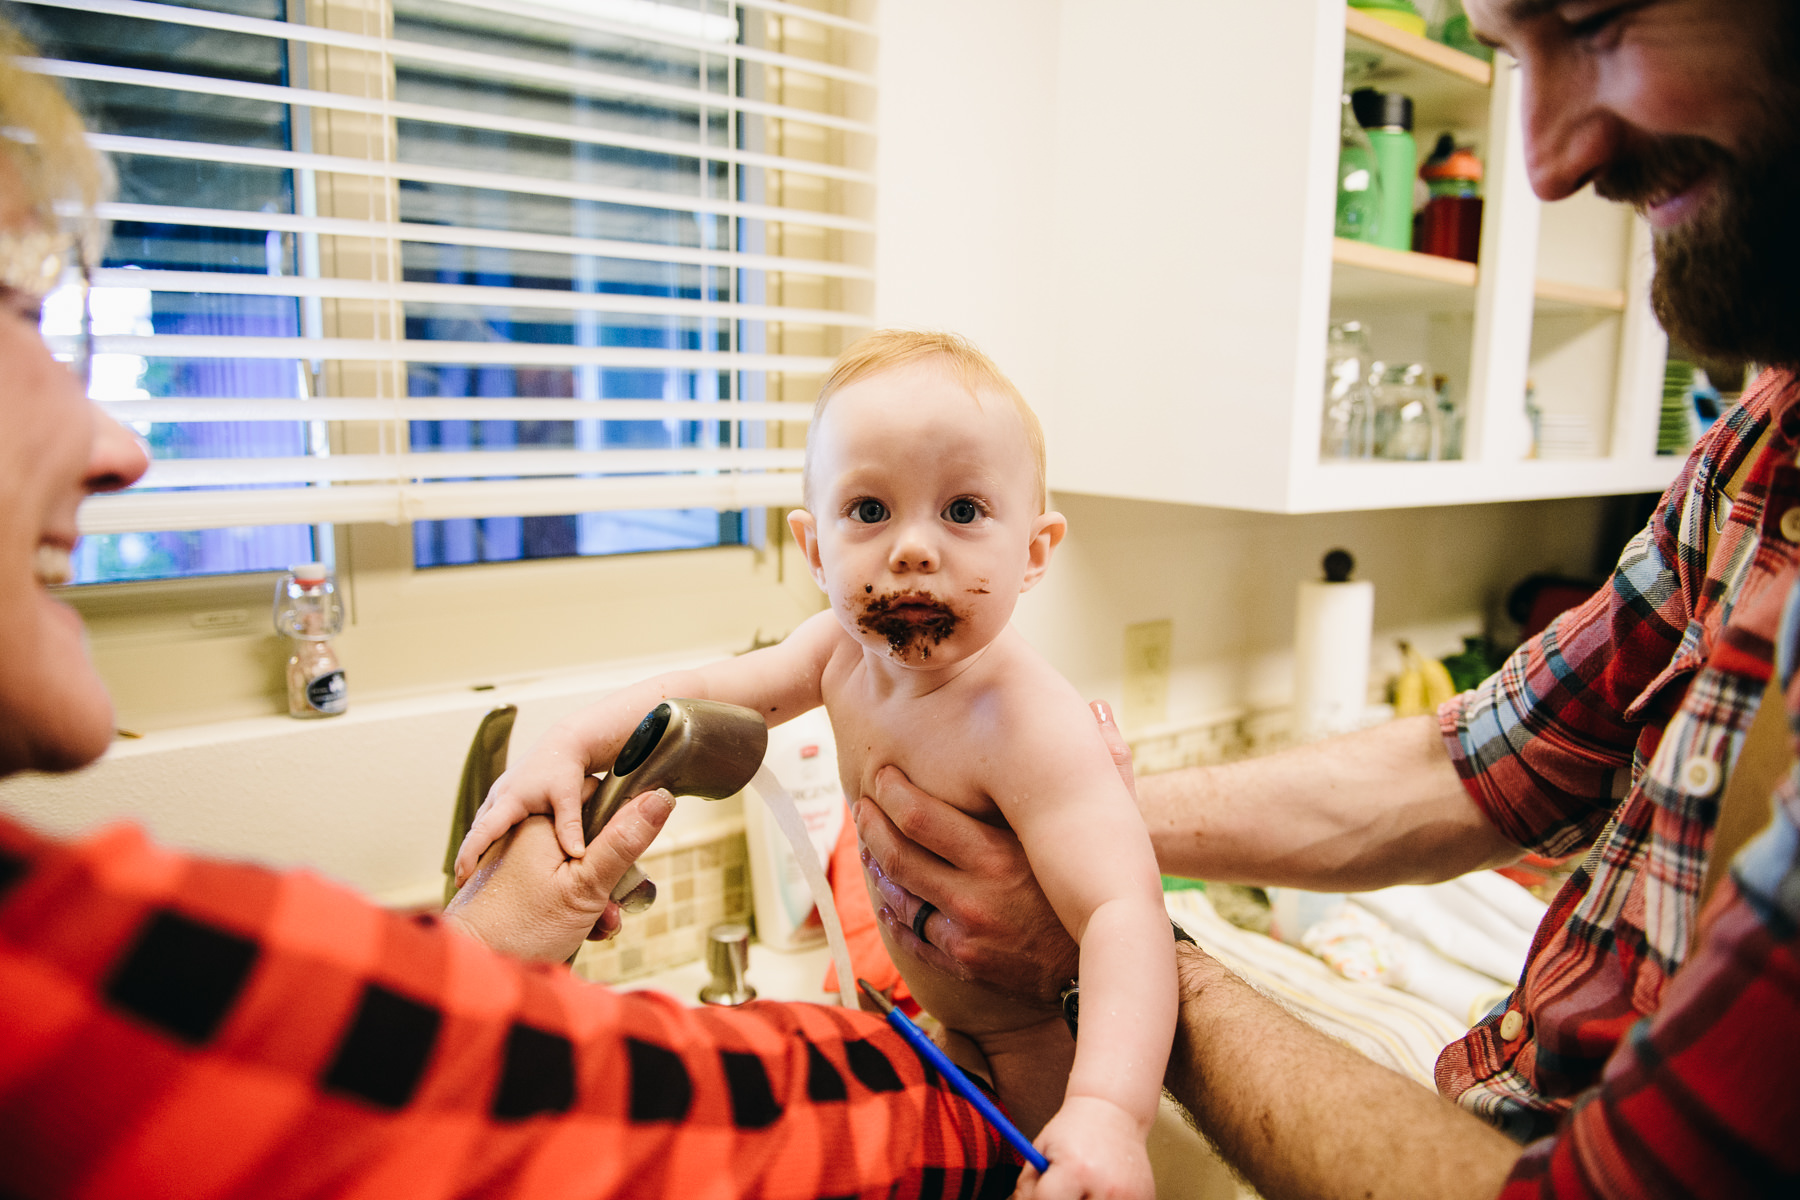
x,y
929,1051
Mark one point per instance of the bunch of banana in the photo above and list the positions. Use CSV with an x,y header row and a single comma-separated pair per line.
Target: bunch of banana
x,y
1422,685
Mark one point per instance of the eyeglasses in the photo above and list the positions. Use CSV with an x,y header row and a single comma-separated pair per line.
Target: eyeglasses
x,y
48,268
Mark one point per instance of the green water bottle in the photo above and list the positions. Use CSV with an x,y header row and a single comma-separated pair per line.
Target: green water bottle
x,y
1387,117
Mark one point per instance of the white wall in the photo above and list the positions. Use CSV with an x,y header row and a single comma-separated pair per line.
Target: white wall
x,y
965,158
364,798
1227,580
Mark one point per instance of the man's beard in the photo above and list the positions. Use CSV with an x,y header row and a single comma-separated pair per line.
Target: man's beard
x,y
1727,281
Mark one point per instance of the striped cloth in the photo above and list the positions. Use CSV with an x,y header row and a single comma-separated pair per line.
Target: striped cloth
x,y
1393,1028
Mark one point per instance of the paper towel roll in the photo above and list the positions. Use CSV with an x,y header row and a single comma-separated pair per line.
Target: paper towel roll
x,y
1331,656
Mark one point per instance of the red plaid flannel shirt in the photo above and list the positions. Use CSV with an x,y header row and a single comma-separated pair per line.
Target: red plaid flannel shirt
x,y
1647,1067
178,1027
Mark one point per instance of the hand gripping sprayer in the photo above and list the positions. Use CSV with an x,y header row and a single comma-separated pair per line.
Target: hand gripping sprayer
x,y
690,747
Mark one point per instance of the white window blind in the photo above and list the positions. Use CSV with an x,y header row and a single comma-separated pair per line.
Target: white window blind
x,y
531,259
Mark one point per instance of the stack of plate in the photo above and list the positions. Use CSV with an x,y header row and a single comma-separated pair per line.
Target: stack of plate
x,y
1562,435
1679,425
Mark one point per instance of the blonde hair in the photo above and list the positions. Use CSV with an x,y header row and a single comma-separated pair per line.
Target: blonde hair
x,y
888,349
43,139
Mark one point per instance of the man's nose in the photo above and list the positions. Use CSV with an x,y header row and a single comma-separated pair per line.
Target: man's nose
x,y
1569,137
118,458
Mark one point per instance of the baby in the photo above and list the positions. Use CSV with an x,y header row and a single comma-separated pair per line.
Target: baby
x,y
924,521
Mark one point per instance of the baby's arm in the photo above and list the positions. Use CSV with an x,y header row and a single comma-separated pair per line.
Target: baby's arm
x,y
1062,794
780,682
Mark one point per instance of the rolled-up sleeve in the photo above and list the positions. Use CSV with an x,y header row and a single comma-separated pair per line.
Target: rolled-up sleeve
x,y
1546,745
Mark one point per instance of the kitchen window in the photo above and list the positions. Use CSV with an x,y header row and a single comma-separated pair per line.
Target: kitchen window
x,y
527,276
418,284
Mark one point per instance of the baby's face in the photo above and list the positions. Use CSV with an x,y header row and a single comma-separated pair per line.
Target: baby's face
x,y
925,517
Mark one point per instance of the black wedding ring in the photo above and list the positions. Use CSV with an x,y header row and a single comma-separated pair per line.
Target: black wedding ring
x,y
926,908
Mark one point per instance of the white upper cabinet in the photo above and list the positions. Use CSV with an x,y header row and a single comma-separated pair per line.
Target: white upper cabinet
x,y
1193,273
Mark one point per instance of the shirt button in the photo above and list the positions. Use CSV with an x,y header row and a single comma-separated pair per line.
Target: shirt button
x,y
1790,524
1700,776
1512,1025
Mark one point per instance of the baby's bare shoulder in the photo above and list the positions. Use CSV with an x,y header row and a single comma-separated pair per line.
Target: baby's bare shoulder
x,y
1029,713
1019,681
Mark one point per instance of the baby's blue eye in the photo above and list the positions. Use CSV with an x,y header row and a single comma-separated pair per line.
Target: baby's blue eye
x,y
870,512
962,511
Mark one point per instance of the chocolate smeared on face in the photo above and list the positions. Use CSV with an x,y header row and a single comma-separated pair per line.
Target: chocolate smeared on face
x,y
908,620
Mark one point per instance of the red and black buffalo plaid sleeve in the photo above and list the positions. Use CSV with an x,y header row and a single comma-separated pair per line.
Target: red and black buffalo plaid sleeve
x,y
173,1026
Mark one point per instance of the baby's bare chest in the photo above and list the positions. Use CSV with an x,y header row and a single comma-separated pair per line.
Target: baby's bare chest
x,y
939,742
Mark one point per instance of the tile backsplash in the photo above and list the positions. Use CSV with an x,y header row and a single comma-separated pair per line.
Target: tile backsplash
x,y
697,887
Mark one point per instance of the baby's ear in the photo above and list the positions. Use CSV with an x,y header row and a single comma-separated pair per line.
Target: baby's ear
x,y
1046,535
806,535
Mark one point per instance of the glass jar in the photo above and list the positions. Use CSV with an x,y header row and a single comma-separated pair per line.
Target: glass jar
x,y
1348,429
309,611
1450,419
1406,413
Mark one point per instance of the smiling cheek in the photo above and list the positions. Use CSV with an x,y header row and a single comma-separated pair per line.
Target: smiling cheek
x,y
58,713
1687,83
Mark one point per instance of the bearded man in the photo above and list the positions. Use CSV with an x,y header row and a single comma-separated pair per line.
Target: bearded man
x,y
1652,1046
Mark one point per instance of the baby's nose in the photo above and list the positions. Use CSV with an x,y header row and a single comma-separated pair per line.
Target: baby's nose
x,y
912,554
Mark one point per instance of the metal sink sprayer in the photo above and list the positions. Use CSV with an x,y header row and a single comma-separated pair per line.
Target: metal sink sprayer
x,y
692,748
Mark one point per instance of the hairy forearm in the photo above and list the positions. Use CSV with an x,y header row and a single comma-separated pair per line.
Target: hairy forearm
x,y
1301,1115
1367,810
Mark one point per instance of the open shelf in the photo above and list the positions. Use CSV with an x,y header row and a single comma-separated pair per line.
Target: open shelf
x,y
1346,486
1366,32
1557,308
1556,296
1366,274
1450,85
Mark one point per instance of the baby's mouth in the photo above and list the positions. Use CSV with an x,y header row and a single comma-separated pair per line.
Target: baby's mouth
x,y
909,621
53,566
916,608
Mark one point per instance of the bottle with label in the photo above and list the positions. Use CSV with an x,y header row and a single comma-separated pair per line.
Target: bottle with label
x,y
307,610
1387,117
1450,226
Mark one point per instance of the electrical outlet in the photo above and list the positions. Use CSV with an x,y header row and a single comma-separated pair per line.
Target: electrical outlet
x,y
1147,657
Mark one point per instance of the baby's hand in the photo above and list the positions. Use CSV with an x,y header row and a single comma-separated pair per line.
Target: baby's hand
x,y
1096,1150
550,780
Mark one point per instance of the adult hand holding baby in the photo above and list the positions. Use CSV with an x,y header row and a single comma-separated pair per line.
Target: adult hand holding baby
x,y
989,921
